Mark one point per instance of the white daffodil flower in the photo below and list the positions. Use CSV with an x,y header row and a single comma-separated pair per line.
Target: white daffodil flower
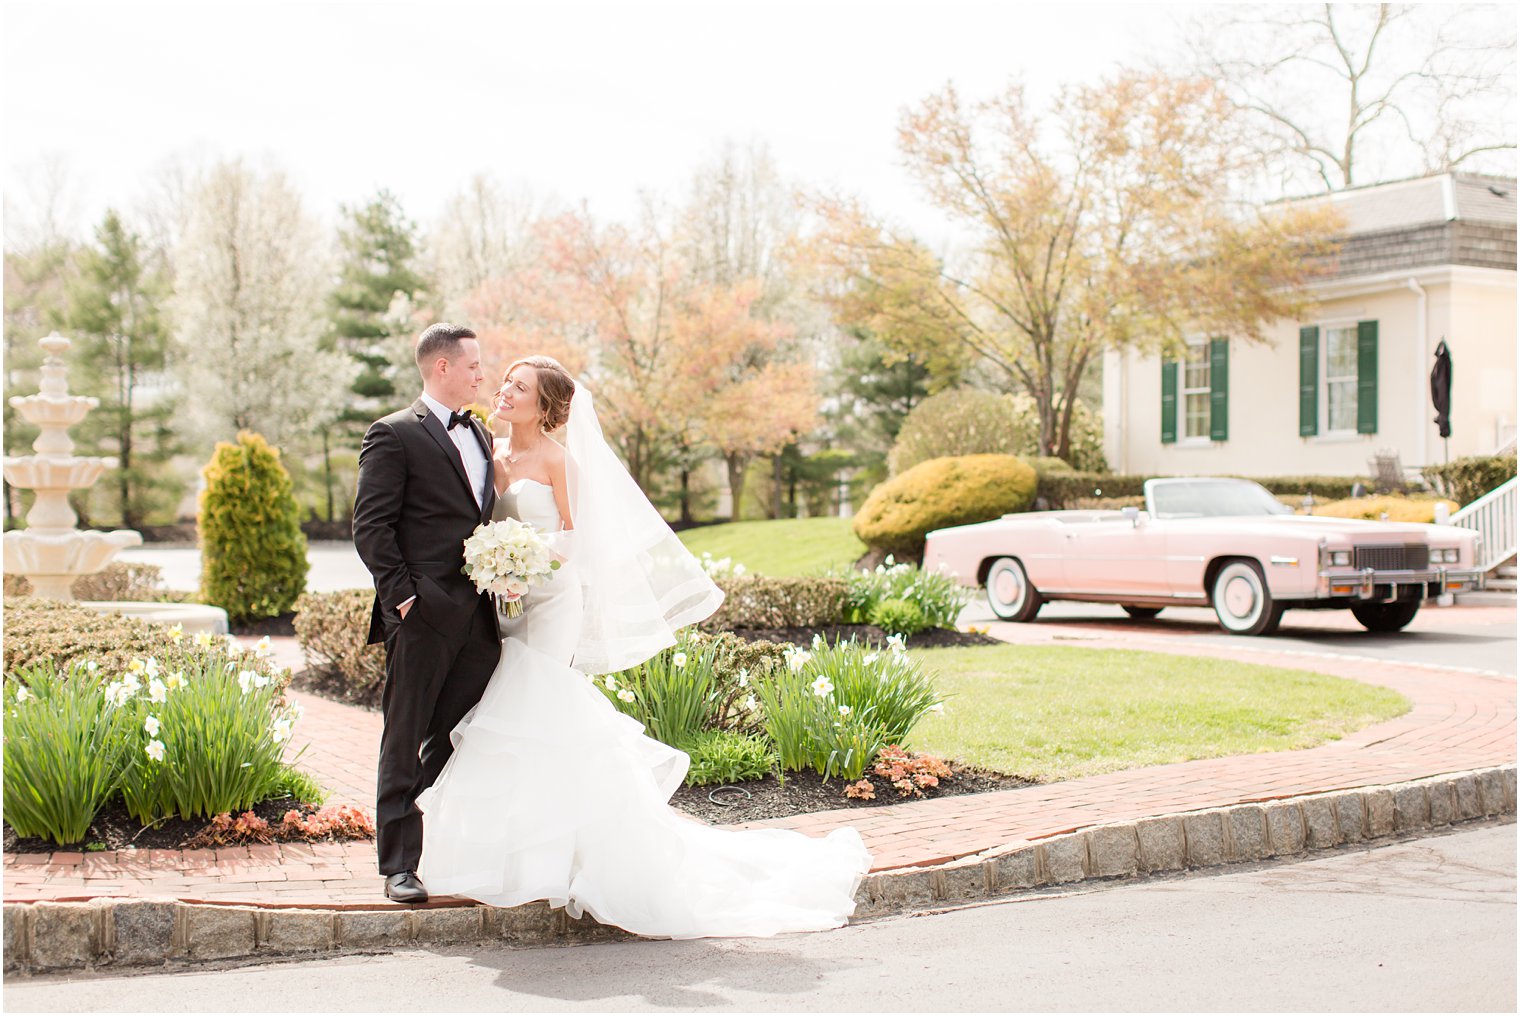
x,y
679,660
157,690
610,681
176,681
750,703
844,710
625,695
817,642
870,658
22,694
743,677
245,681
280,730
150,726
203,639
155,750
91,666
176,633
822,688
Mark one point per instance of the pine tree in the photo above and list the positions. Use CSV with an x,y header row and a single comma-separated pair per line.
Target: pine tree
x,y
112,314
379,254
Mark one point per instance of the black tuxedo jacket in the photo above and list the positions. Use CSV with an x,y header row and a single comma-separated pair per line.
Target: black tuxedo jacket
x,y
412,513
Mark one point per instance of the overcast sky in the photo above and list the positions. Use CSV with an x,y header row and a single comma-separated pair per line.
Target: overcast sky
x,y
583,101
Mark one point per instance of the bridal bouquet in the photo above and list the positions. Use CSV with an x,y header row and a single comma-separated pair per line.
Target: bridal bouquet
x,y
507,558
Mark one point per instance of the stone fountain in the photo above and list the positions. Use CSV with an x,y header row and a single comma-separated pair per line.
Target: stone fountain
x,y
50,551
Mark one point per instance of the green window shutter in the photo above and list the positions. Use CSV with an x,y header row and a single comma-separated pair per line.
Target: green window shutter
x,y
1219,389
1308,381
1366,377
1168,401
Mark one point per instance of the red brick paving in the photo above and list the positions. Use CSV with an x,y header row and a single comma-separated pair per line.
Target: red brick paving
x,y
1459,720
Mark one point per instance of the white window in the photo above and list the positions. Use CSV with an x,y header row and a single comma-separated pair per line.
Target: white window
x,y
1196,387
1340,372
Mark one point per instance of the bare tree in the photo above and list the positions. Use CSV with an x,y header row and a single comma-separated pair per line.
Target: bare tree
x,y
484,233
1348,93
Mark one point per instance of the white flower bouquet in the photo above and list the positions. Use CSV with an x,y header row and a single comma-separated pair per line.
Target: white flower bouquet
x,y
508,558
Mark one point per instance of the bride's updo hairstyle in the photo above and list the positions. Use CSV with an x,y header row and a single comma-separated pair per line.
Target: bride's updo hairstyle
x,y
555,389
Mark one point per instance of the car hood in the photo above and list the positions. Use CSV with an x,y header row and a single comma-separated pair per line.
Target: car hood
x,y
1350,530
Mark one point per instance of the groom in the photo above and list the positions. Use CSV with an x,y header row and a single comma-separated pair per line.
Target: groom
x,y
425,483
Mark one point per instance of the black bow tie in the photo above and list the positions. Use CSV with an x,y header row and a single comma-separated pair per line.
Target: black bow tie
x,y
461,418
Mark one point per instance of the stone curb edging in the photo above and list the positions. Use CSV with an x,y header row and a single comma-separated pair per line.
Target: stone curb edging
x,y
117,932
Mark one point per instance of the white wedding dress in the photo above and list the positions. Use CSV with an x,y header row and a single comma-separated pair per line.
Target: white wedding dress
x,y
553,794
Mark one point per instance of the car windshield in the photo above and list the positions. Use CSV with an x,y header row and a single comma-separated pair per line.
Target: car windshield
x,y
1197,499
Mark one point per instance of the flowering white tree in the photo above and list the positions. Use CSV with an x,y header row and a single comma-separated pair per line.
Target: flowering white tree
x,y
251,275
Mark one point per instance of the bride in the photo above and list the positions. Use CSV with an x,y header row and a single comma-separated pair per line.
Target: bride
x,y
552,793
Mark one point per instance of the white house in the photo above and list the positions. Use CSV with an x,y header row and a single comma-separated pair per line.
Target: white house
x,y
1422,261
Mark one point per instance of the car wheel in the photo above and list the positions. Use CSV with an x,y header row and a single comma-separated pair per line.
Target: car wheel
x,y
1242,601
1010,593
1142,613
1385,616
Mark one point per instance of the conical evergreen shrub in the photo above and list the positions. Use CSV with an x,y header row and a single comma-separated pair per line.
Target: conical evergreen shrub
x,y
253,553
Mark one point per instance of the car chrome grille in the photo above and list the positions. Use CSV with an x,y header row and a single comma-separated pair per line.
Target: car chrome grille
x,y
1393,557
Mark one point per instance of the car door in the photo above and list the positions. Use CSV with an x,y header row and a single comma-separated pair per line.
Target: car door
x,y
1115,557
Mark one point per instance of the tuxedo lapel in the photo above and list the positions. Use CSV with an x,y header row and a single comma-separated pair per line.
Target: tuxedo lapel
x,y
438,433
484,438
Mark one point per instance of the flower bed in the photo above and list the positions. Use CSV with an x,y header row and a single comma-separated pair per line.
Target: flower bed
x,y
161,725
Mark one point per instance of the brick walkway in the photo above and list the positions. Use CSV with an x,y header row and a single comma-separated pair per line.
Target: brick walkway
x,y
1459,720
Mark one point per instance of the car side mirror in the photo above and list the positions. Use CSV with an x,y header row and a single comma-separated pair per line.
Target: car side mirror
x,y
1133,514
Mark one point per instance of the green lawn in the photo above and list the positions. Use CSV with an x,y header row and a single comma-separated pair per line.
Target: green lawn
x,y
1053,713
779,546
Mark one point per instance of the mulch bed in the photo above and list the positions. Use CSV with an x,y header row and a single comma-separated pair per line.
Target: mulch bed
x,y
284,624
807,792
931,638
334,687
114,829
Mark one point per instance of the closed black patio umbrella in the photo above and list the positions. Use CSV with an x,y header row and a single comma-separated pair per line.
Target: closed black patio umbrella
x,y
1440,389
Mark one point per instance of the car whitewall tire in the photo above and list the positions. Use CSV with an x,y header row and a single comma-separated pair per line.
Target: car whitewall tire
x,y
1242,601
1010,594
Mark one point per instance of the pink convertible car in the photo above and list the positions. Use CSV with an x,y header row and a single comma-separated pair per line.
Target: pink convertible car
x,y
1224,543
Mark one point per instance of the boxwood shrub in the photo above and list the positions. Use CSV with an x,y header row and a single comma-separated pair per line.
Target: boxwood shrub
x,y
939,493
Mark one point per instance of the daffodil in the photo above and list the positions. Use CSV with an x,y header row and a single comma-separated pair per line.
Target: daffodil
x,y
176,681
155,750
679,659
610,681
150,725
157,690
203,639
844,710
822,687
625,695
22,694
749,702
176,633
280,730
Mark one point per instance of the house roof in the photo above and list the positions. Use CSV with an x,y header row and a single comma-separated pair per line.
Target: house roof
x,y
1449,218
1445,197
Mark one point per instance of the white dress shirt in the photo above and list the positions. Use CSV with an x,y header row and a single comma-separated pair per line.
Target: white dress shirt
x,y
473,456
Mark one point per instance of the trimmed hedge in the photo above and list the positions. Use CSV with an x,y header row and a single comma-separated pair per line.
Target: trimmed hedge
x,y
120,580
1467,479
332,629
40,631
939,493
1068,490
759,601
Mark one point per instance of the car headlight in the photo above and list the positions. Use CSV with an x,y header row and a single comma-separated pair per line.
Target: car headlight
x,y
1445,555
1340,558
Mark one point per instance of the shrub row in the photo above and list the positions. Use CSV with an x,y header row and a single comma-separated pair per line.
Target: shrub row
x,y
1068,490
1397,509
1467,479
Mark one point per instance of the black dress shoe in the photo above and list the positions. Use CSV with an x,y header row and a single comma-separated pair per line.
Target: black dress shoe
x,y
405,887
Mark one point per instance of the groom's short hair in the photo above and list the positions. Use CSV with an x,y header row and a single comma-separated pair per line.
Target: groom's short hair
x,y
438,340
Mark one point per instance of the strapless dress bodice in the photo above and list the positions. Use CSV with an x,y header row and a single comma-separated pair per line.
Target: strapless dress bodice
x,y
531,502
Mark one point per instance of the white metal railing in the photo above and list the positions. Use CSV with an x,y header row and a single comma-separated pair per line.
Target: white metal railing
x,y
1492,516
